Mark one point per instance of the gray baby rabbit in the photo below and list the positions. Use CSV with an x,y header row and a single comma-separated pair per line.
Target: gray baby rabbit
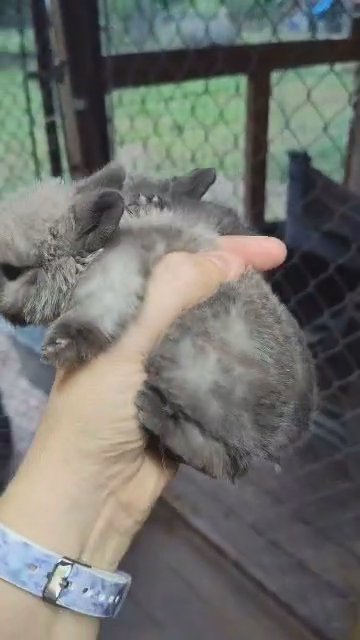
x,y
232,380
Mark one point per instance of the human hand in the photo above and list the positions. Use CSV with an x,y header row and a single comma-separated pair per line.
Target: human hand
x,y
90,433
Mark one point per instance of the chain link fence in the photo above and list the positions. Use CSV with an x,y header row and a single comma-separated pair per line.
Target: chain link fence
x,y
147,25
203,122
23,146
308,514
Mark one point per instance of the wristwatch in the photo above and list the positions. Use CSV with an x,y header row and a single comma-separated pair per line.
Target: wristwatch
x,y
60,581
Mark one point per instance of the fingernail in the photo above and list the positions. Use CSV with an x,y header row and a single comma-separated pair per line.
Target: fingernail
x,y
228,262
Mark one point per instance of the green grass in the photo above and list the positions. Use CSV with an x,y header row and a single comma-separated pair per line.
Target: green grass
x,y
200,123
16,165
9,41
203,122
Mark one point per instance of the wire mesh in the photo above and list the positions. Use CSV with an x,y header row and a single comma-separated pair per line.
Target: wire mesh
x,y
22,138
305,519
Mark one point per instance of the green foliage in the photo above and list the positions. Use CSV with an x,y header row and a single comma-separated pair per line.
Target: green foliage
x,y
202,123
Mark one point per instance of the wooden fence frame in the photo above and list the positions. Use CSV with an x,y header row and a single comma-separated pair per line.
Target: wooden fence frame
x,y
93,75
45,65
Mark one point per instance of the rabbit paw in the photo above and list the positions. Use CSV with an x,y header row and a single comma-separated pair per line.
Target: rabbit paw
x,y
69,343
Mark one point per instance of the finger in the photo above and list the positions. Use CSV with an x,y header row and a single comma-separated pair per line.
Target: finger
x,y
260,252
178,282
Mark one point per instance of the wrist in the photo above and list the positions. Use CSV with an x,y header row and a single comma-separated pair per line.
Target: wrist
x,y
83,510
56,496
124,513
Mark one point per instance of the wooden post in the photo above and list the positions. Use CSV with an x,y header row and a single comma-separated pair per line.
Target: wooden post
x,y
257,125
45,77
352,171
69,121
77,35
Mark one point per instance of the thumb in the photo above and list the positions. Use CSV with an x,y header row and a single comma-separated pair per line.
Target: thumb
x,y
178,282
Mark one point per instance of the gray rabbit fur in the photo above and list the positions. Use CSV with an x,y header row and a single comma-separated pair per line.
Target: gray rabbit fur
x,y
231,382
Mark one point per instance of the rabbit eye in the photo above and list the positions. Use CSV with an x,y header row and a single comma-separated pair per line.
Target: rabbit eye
x,y
11,272
155,200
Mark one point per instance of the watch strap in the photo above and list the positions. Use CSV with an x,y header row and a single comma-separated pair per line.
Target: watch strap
x,y
60,580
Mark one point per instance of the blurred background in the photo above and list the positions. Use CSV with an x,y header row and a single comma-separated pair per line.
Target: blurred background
x,y
268,93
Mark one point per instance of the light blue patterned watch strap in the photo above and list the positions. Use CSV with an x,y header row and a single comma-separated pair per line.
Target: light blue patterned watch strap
x,y
60,581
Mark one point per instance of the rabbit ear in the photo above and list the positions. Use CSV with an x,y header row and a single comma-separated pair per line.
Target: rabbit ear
x,y
194,184
111,176
97,215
